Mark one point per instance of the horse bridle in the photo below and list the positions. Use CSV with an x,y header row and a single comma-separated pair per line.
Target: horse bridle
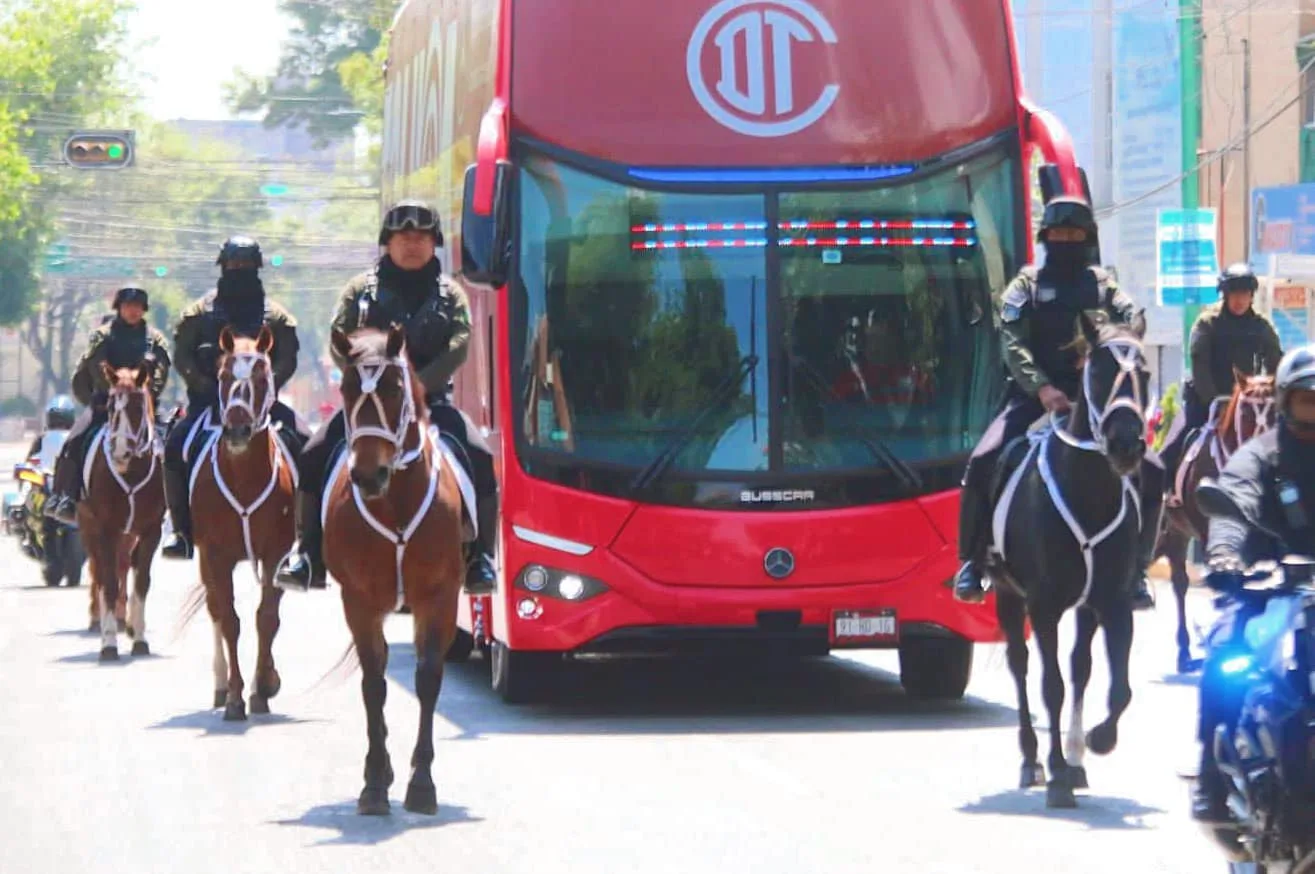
x,y
1126,353
370,372
242,393
137,441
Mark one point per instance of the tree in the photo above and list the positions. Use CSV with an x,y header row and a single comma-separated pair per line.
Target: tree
x,y
324,69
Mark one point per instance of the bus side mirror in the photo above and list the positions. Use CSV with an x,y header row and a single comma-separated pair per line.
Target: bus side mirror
x,y
486,239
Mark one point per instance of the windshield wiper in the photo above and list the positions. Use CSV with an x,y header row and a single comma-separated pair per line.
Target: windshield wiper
x,y
877,448
659,465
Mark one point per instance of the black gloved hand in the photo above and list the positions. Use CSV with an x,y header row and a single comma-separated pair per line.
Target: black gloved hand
x,y
1225,573
207,358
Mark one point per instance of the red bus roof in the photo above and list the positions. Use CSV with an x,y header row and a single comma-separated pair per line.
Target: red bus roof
x,y
761,82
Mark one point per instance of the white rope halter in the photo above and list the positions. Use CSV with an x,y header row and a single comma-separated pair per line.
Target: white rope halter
x,y
1126,354
371,371
133,442
242,393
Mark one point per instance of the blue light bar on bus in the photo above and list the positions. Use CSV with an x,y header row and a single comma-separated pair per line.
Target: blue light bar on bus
x,y
770,175
925,232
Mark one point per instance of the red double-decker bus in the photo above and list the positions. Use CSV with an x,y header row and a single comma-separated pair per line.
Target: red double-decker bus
x,y
731,267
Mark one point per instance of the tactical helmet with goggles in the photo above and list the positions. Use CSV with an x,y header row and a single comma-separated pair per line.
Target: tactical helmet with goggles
x,y
410,215
1067,212
240,252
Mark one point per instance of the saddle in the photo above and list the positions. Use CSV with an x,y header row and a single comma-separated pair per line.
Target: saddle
x,y
197,440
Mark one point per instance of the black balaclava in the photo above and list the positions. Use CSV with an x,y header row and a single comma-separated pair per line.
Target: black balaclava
x,y
413,286
1067,259
241,294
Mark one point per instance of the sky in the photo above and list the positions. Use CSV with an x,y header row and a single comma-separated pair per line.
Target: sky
x,y
196,47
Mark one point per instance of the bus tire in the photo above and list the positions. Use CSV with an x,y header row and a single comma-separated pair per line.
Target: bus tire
x,y
935,667
521,676
462,646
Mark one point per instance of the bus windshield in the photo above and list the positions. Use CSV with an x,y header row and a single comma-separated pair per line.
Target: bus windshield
x,y
778,335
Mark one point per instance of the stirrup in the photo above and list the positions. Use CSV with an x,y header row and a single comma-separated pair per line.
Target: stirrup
x,y
179,547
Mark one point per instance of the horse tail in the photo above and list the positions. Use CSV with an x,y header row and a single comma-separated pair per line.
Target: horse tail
x,y
346,665
192,605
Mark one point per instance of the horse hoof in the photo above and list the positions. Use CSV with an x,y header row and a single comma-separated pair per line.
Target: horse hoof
x,y
141,648
373,802
235,711
109,654
1032,774
1077,777
270,689
259,704
221,698
1059,795
421,799
1102,739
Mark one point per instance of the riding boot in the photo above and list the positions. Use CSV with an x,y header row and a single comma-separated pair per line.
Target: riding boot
x,y
1152,498
481,571
974,511
178,496
1210,797
62,505
303,567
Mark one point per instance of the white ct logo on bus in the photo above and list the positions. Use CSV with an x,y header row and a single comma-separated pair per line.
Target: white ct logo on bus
x,y
769,30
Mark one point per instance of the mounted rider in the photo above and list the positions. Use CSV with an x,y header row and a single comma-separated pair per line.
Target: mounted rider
x,y
125,340
1229,338
1037,315
61,414
239,303
1271,479
406,286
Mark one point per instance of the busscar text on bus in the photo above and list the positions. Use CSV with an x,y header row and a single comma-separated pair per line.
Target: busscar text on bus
x,y
730,273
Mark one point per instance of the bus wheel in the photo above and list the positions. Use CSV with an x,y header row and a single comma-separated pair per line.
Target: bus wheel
x,y
462,646
935,667
521,676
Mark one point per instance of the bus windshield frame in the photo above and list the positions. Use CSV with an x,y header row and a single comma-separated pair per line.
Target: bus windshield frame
x,y
694,344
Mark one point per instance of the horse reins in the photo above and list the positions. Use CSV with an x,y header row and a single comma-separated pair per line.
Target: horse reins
x,y
370,372
136,442
241,395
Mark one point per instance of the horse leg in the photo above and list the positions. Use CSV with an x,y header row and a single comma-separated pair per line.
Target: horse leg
x,y
219,601
1080,671
1118,645
108,591
1177,555
1059,791
142,556
1011,610
268,681
123,563
93,591
421,796
368,636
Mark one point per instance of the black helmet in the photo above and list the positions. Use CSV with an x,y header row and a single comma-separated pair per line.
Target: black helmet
x,y
240,249
1296,372
60,412
1067,211
410,215
131,294
1237,277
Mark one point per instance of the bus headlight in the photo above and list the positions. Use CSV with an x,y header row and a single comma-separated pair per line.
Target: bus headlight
x,y
555,583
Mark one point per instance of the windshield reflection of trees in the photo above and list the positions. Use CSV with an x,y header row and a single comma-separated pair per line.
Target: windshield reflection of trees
x,y
640,347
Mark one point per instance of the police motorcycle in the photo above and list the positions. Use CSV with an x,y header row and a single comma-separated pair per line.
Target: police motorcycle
x,y
1268,759
56,546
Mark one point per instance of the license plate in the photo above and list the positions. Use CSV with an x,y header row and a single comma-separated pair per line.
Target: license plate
x,y
864,627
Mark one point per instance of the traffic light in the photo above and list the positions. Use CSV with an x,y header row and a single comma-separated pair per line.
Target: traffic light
x,y
99,150
162,271
276,261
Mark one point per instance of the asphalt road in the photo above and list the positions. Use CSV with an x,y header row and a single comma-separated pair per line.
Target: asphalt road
x,y
811,766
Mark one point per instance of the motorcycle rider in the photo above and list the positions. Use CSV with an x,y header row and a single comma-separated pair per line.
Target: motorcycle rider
x,y
1037,315
1228,337
1271,478
239,303
125,340
406,286
60,416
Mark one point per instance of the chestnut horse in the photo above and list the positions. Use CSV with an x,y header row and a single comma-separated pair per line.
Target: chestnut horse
x,y
121,517
391,488
1249,411
243,485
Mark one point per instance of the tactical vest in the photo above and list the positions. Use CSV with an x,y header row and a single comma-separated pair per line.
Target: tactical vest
x,y
245,323
1053,322
381,308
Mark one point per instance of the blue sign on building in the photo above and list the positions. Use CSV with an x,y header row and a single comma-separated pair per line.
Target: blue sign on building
x,y
1282,223
1187,260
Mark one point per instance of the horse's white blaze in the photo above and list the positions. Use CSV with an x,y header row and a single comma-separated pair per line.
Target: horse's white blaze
x,y
220,660
137,616
1075,747
109,626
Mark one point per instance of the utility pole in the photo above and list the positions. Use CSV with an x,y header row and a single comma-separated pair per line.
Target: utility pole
x,y
1246,148
1189,65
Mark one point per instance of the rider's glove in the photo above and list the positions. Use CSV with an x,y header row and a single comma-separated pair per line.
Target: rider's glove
x,y
1224,573
207,359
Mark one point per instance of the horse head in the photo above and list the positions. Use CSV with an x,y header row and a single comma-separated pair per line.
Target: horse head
x,y
1250,410
246,386
384,406
131,426
1115,390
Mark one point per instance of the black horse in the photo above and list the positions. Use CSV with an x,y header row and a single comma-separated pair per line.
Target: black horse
x,y
1067,528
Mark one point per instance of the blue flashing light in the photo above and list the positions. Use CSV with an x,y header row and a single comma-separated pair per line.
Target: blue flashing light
x,y
1236,665
769,175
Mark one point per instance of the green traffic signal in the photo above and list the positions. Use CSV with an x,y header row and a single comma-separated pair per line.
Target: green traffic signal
x,y
99,150
276,261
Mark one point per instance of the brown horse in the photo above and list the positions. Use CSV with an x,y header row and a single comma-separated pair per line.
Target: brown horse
x,y
120,518
390,490
243,486
1249,411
